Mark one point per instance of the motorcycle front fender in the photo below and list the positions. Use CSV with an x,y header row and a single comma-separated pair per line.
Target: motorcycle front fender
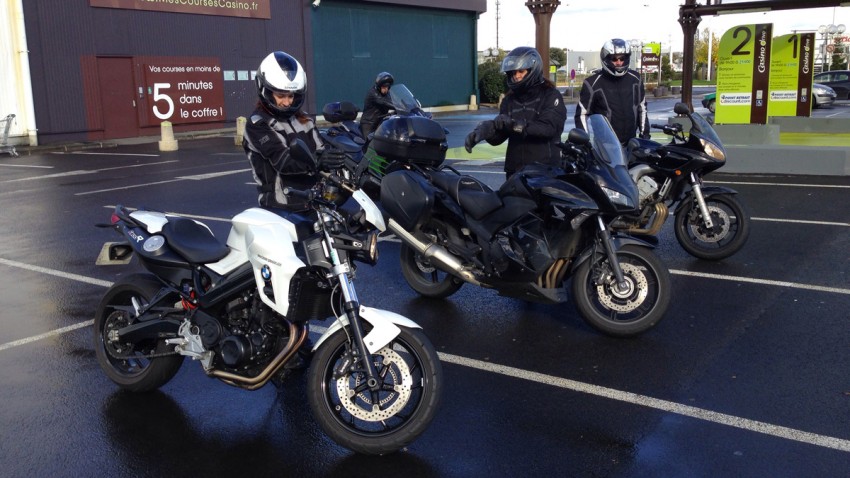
x,y
707,191
384,327
619,240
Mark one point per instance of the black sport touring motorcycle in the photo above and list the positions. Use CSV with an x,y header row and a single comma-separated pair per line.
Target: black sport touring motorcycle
x,y
542,227
710,222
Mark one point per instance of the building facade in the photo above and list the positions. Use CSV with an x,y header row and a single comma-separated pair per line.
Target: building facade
x,y
91,70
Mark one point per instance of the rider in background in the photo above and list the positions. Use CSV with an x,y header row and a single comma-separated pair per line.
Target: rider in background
x,y
616,92
531,117
377,103
278,121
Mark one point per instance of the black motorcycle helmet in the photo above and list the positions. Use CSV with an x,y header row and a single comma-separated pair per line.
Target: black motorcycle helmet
x,y
383,79
611,48
279,72
523,58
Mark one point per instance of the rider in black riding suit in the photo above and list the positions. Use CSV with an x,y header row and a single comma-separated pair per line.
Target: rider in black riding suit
x,y
377,103
616,92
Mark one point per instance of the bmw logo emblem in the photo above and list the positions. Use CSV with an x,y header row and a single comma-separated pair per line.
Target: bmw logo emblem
x,y
266,272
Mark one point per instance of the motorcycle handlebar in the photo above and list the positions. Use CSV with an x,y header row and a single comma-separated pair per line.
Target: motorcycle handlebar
x,y
307,194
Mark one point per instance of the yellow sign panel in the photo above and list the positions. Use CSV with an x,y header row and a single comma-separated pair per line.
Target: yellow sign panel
x,y
743,72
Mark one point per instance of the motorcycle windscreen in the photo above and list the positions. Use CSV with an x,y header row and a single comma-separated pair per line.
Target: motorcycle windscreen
x,y
407,197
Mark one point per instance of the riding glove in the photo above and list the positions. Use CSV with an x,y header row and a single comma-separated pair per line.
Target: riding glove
x,y
485,130
330,159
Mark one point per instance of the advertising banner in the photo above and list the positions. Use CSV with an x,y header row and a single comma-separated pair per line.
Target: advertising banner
x,y
743,74
227,8
791,75
650,54
185,90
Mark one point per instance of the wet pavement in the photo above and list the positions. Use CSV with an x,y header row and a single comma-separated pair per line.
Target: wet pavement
x,y
746,376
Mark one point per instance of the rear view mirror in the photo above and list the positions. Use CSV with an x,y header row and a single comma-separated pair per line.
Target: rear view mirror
x,y
301,152
681,109
578,136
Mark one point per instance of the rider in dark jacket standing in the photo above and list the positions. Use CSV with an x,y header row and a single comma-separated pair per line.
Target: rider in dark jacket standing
x,y
616,92
531,117
377,103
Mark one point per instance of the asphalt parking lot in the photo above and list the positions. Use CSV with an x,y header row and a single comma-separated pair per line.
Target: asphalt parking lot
x,y
746,375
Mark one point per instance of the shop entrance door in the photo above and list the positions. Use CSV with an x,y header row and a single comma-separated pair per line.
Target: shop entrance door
x,y
117,97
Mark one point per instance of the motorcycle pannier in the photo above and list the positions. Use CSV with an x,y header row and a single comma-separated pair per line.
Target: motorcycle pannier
x,y
412,139
407,197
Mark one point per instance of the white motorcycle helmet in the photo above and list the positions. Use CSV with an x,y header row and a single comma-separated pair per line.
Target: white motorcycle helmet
x,y
280,72
611,48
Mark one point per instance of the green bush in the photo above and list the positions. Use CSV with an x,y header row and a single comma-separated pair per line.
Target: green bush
x,y
491,82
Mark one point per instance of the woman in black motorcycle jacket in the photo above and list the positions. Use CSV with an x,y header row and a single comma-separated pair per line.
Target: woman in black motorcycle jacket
x,y
274,125
616,92
531,117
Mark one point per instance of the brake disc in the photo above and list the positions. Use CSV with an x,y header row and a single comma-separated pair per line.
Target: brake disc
x,y
720,219
629,299
390,401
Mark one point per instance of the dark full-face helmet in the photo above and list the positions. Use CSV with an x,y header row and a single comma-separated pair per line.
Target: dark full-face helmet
x,y
523,58
383,79
278,73
615,48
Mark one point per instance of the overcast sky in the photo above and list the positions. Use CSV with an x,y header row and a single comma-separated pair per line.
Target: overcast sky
x,y
584,25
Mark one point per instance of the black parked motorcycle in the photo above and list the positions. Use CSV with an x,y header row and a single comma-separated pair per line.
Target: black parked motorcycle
x,y
364,166
710,222
542,227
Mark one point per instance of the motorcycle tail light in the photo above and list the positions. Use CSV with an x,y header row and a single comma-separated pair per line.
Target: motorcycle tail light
x,y
114,219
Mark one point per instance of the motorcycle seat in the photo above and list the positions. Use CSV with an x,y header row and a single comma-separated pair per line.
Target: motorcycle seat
x,y
474,197
193,241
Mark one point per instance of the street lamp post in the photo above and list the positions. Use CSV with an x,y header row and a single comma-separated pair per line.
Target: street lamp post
x,y
637,45
827,33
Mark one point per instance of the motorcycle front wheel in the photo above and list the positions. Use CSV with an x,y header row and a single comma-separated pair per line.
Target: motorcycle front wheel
x,y
425,278
375,422
622,312
728,234
128,364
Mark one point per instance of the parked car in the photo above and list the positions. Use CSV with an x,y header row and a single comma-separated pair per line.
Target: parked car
x,y
838,80
822,95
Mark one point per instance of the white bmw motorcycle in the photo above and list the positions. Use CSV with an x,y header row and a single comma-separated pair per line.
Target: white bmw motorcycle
x,y
242,310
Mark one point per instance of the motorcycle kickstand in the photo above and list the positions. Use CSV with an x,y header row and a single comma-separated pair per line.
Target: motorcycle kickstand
x,y
703,209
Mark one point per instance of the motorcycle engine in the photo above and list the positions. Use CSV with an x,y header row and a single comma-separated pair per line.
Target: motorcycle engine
x,y
250,333
647,187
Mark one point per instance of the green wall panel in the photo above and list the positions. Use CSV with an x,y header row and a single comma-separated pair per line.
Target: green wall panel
x,y
431,51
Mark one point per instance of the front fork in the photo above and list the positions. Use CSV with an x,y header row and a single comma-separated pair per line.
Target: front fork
x,y
352,307
608,245
703,209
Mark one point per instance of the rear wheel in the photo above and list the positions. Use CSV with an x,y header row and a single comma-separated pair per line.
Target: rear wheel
x,y
125,363
622,311
389,417
728,234
425,278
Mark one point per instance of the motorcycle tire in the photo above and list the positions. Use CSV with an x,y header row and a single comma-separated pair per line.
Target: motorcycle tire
x,y
136,374
426,279
731,227
376,423
623,313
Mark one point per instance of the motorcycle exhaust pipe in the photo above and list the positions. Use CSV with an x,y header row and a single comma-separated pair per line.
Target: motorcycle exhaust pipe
x,y
657,223
434,253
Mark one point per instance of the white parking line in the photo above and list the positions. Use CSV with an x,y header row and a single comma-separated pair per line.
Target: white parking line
x,y
179,178
551,380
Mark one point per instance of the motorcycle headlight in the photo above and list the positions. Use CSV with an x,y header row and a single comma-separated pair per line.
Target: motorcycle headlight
x,y
366,249
617,197
713,150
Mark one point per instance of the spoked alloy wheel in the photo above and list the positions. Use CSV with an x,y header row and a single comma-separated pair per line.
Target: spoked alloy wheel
x,y
622,311
728,234
128,364
382,421
424,278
